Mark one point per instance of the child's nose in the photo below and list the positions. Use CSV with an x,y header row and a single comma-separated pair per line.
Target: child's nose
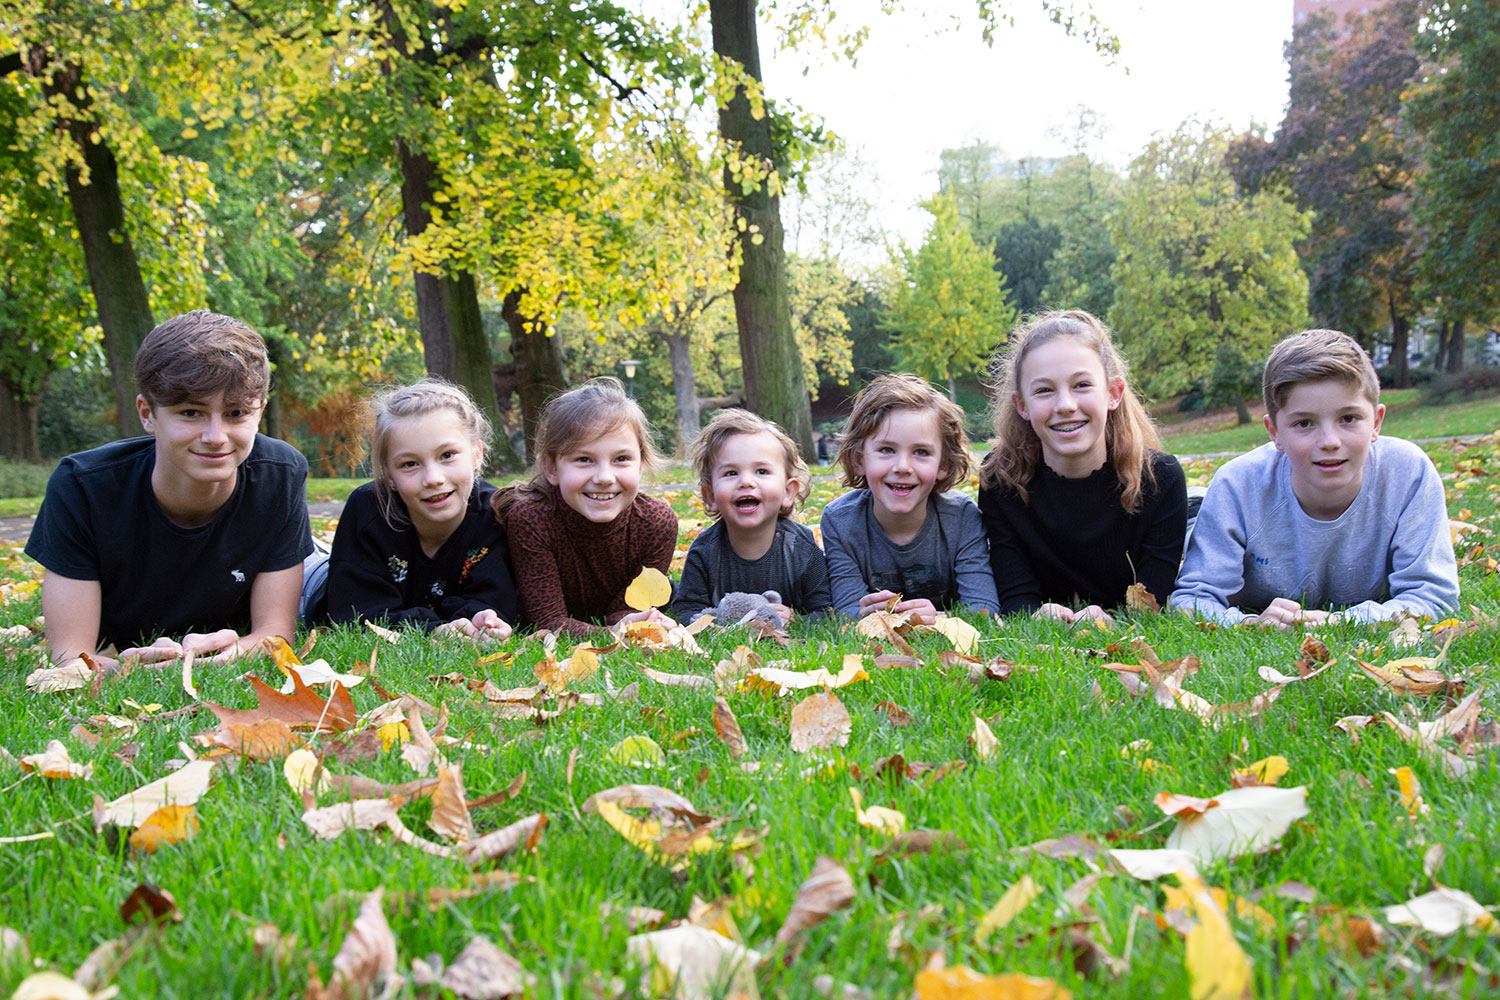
x,y
213,428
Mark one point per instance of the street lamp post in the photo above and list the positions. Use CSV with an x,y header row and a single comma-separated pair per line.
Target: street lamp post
x,y
630,364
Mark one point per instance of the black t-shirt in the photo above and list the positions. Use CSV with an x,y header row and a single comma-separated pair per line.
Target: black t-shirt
x,y
1073,543
793,566
100,521
380,572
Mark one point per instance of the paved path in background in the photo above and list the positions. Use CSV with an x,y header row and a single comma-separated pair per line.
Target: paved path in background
x,y
15,530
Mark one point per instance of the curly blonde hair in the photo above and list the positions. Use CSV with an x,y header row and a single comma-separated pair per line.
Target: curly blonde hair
x,y
725,425
905,392
1016,451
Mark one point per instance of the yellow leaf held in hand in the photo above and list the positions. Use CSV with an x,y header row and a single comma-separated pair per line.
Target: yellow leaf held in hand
x,y
168,825
651,589
877,817
1015,899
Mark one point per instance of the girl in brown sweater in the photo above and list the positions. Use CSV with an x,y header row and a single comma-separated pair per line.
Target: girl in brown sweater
x,y
580,530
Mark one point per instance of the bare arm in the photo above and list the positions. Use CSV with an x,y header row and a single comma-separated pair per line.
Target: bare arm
x,y
71,609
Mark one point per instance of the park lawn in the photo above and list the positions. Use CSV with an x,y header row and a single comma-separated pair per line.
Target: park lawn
x,y
1071,760
1405,417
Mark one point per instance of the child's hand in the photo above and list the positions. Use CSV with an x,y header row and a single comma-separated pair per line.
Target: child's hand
x,y
786,613
1283,613
875,602
223,646
484,625
160,651
649,615
1054,611
922,611
1093,613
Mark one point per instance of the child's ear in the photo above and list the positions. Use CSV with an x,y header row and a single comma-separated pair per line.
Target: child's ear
x,y
1271,430
1015,400
549,469
1379,419
1116,392
144,409
708,499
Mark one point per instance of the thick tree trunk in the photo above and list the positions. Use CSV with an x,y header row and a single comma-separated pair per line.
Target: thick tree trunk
x,y
1400,335
1442,346
1455,357
684,388
540,371
1241,411
453,342
18,441
770,359
120,297
952,388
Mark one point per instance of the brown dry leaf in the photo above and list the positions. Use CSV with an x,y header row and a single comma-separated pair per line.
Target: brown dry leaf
x,y
357,786
366,963
637,918
271,943
728,729
450,812
183,787
301,709
479,883
1139,600
391,637
1075,845
358,814
959,982
1414,675
523,834
894,714
510,791
1464,715
149,904
743,660
985,744
820,721
55,762
263,740
483,972
1453,765
828,889
886,661
1174,805
652,797
678,680
167,825
69,676
1274,676
923,842
1314,649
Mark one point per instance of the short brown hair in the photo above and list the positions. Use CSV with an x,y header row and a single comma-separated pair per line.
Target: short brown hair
x,y
1315,356
199,354
905,392
725,425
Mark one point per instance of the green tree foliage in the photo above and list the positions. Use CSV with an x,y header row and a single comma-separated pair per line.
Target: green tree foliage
x,y
1200,265
1023,254
1457,109
949,310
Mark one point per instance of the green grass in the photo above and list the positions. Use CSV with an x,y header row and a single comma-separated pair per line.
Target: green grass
x,y
1405,417
1060,771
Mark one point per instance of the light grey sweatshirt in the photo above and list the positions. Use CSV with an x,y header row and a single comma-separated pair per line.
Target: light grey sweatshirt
x,y
1391,551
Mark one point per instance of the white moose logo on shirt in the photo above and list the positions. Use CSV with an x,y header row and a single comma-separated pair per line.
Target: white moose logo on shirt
x,y
239,575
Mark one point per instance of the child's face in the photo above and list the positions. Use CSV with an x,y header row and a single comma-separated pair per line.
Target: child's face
x,y
1067,400
1325,428
599,478
748,485
431,461
202,441
902,460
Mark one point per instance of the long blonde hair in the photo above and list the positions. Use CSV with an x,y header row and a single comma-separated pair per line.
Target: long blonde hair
x,y
1016,452
417,399
570,419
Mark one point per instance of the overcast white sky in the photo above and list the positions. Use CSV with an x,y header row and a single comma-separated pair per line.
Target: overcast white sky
x,y
921,86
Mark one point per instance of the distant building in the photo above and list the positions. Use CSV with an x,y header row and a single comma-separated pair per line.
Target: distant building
x,y
1303,9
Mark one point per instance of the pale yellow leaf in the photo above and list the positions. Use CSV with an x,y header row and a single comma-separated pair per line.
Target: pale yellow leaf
x,y
651,589
959,632
877,817
183,787
959,982
985,744
1015,899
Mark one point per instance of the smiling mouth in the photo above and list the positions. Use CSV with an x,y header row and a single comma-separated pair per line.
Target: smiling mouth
x,y
1330,463
901,489
438,500
747,504
1069,426
601,497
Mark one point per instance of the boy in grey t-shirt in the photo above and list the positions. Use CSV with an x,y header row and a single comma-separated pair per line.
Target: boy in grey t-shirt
x,y
1327,515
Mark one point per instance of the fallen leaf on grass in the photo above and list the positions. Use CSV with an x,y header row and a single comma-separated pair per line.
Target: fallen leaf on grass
x,y
1411,792
522,835
1139,600
728,729
1217,966
1266,771
820,721
557,675
959,982
366,963
507,793
183,787
391,637
316,672
302,709
1238,821
678,680
1150,865
303,772
167,825
894,714
1075,845
637,751
1442,911
450,812
959,632
357,814
51,985
985,744
773,679
149,904
1414,675
54,762
68,676
1274,676
876,817
263,740
827,890
480,972
904,845
640,797
691,963
1014,900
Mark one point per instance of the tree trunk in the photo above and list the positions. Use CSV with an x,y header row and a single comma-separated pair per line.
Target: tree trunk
x,y
770,359
1442,346
453,343
684,387
1241,411
540,370
952,388
18,440
120,297
1456,346
1400,335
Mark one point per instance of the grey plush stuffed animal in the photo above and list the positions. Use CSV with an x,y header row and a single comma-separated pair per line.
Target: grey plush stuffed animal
x,y
739,608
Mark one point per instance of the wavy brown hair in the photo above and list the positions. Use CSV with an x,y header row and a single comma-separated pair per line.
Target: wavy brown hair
x,y
905,392
1016,452
570,419
725,425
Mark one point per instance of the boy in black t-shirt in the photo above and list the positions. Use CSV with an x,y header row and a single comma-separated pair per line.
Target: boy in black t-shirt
x,y
198,531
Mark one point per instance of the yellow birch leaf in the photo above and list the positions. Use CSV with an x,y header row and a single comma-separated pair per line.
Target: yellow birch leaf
x,y
1411,792
877,817
1267,771
1016,899
281,652
299,768
651,589
393,733
1217,966
984,740
167,825
959,982
959,632
637,751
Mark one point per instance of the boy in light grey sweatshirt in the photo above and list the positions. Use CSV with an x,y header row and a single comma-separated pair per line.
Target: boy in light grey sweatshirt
x,y
1328,518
